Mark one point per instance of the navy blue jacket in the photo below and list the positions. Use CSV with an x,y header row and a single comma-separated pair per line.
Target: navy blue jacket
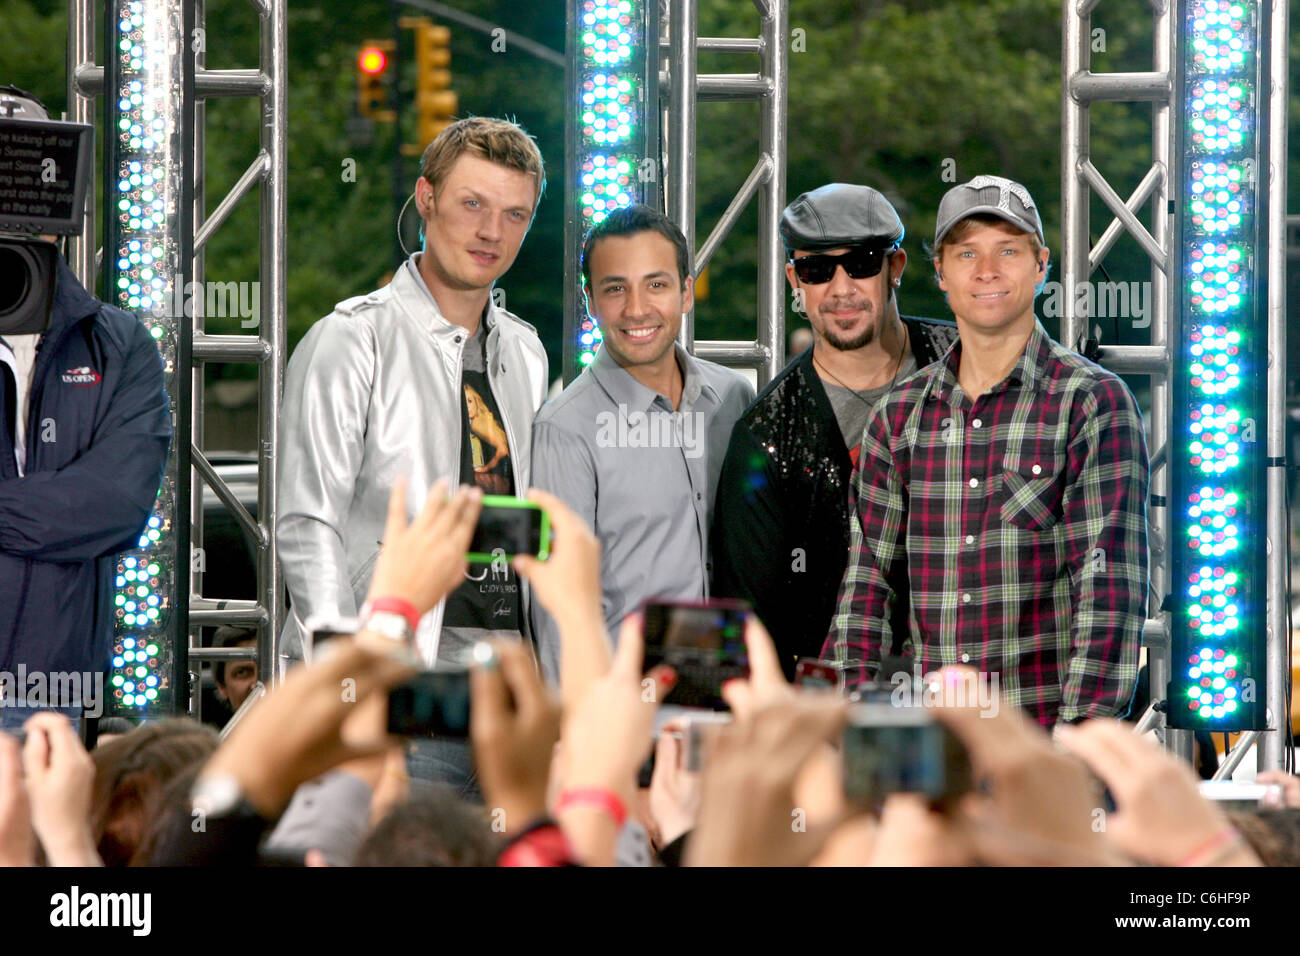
x,y
96,445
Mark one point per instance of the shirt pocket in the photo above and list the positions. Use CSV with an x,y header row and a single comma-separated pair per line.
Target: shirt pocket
x,y
1032,492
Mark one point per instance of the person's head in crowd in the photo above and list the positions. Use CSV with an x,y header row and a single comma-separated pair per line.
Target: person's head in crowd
x,y
130,774
801,339
110,728
1274,835
845,260
636,276
235,678
481,180
433,828
990,255
173,800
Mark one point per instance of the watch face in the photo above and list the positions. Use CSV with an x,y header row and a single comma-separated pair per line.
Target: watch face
x,y
389,625
215,796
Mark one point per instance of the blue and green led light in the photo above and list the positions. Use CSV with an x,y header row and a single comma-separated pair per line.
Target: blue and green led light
x,y
1219,378
142,249
611,122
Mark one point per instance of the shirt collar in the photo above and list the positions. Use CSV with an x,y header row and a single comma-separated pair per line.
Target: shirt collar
x,y
626,390
413,266
1029,372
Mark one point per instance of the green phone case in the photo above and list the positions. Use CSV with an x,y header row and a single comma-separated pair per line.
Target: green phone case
x,y
506,501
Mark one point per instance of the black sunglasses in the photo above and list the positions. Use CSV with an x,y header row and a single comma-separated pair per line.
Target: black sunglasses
x,y
860,262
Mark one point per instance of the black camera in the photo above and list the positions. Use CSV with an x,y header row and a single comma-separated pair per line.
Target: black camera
x,y
44,172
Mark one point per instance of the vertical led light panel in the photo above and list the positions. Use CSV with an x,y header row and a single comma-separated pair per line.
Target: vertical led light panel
x,y
1217,445
611,137
148,84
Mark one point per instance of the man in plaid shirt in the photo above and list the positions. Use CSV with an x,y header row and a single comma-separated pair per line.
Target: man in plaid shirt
x,y
1008,483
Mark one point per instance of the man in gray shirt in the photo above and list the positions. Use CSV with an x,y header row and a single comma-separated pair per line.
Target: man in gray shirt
x,y
635,444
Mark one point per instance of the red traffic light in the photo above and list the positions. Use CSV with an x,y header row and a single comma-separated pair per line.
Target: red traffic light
x,y
372,60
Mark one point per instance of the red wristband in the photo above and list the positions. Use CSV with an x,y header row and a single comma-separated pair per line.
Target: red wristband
x,y
598,797
396,605
1224,836
542,844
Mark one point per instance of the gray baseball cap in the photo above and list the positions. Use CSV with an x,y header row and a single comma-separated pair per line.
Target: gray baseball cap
x,y
840,214
990,195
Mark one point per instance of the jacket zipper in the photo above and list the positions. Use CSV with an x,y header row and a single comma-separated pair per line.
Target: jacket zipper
x,y
45,350
521,486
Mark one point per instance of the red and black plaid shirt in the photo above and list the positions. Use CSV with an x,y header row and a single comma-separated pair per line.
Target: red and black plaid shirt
x,y
1018,524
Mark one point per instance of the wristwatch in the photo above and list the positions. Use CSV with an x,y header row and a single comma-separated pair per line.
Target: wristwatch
x,y
390,625
219,796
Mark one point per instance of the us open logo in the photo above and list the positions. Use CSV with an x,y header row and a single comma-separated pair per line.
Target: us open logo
x,y
84,376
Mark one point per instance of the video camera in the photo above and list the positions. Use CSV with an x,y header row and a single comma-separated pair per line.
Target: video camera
x,y
44,172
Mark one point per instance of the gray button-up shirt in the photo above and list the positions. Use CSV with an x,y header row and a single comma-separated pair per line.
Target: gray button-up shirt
x,y
642,476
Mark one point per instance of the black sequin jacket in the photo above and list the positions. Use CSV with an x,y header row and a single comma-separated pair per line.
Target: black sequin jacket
x,y
780,530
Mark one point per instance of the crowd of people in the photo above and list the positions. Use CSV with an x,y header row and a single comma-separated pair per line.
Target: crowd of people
x,y
931,491
309,776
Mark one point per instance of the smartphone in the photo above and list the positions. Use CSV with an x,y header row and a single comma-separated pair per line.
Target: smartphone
x,y
323,630
510,526
704,642
816,675
889,749
431,704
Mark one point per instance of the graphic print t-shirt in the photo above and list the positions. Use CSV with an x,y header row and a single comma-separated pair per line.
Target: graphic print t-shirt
x,y
486,604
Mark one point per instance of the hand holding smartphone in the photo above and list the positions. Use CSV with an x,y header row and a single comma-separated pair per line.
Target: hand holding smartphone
x,y
890,749
703,642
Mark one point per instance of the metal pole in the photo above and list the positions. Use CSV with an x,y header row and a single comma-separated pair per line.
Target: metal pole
x,y
1158,653
1272,751
198,268
81,109
1074,196
771,197
275,115
682,28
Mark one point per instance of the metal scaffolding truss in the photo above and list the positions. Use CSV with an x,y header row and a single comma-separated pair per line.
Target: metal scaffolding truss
x,y
1080,180
266,349
684,89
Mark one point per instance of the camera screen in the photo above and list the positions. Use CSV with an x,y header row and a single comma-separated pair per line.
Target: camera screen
x,y
431,704
906,753
703,643
510,531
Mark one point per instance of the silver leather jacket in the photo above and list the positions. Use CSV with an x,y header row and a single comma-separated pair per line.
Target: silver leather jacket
x,y
372,392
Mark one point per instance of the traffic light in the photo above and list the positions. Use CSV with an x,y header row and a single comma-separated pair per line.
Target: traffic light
x,y
373,61
435,101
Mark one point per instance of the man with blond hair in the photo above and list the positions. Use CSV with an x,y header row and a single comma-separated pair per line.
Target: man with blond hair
x,y
380,388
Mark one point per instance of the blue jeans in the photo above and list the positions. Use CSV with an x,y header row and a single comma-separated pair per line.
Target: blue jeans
x,y
446,761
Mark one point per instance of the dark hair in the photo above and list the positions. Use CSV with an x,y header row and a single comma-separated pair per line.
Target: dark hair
x,y
1274,835
434,828
229,636
170,818
117,726
131,772
628,221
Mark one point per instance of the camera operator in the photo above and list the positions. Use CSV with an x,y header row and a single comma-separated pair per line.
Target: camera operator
x,y
84,433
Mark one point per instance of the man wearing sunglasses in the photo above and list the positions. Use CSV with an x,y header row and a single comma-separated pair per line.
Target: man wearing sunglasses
x,y
1004,488
780,535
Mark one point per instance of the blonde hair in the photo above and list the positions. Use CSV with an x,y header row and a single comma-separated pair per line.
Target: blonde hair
x,y
497,140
